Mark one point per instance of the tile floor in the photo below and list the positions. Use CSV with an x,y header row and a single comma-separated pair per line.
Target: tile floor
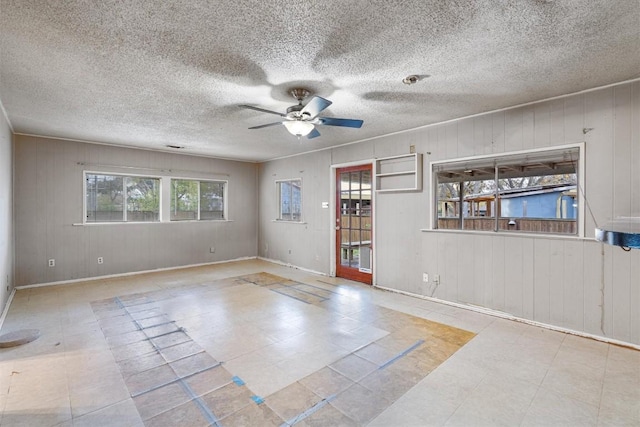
x,y
253,343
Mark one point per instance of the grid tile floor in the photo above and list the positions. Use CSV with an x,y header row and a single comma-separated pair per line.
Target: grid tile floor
x,y
253,343
170,377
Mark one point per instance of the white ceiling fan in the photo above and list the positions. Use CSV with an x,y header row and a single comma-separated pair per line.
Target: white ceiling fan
x,y
301,120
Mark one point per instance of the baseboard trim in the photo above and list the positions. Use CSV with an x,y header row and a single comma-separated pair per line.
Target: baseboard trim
x,y
507,316
132,273
286,264
477,309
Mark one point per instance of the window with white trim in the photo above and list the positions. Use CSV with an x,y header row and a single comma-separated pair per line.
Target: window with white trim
x,y
197,200
532,192
289,200
121,198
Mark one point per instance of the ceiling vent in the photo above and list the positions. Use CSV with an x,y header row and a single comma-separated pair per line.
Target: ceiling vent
x,y
414,78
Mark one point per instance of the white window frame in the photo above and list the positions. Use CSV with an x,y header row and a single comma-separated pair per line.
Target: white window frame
x,y
279,217
225,205
124,213
580,173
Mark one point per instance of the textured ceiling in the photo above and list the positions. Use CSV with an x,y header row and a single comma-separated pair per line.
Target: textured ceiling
x,y
153,73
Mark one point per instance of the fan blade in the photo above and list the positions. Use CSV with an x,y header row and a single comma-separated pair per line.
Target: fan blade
x,y
251,107
331,121
315,106
314,133
265,126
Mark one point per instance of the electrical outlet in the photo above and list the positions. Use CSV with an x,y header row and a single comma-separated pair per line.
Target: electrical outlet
x,y
100,260
436,278
425,277
52,262
212,250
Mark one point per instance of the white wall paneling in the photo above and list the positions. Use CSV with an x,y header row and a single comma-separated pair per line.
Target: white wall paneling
x,y
573,283
303,244
49,207
6,212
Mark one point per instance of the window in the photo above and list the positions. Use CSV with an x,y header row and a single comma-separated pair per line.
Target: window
x,y
193,200
532,192
290,200
120,198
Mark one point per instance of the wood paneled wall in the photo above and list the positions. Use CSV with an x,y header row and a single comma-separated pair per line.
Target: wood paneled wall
x,y
579,284
6,212
49,206
575,283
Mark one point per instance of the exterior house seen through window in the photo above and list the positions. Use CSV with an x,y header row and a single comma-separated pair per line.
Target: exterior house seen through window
x,y
197,200
289,200
531,192
121,198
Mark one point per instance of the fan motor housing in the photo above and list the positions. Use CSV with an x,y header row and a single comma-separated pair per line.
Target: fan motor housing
x,y
294,111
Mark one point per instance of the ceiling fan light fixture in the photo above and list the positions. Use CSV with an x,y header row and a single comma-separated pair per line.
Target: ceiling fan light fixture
x,y
298,127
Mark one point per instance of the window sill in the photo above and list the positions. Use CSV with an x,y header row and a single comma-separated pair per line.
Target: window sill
x,y
92,224
206,221
284,221
508,234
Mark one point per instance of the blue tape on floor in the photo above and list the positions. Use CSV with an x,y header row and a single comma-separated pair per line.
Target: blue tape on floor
x,y
238,381
161,335
402,354
307,292
315,408
176,380
290,296
257,399
204,409
319,288
206,412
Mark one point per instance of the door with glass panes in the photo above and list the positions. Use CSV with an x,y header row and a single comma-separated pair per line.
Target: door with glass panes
x,y
354,223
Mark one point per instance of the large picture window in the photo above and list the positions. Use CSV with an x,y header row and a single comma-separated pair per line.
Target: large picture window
x,y
196,200
121,198
289,200
531,192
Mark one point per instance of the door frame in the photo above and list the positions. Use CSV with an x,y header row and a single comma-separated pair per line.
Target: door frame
x,y
333,209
